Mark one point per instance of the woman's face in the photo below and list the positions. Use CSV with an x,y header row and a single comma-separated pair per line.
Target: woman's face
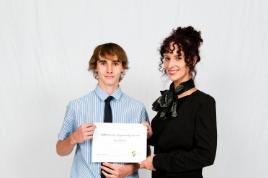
x,y
175,65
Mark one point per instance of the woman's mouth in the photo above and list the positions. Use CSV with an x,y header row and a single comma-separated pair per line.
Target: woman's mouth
x,y
171,72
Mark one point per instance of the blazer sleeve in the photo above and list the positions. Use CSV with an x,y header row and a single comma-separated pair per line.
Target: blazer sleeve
x,y
205,143
150,141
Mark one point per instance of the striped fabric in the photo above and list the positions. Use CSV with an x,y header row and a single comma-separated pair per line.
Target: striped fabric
x,y
90,109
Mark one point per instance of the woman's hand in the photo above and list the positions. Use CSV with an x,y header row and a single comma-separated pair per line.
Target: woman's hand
x,y
149,129
148,163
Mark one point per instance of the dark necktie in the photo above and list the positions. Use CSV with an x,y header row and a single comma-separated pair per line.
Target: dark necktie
x,y
108,116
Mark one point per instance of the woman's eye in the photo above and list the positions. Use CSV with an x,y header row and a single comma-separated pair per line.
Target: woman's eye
x,y
166,59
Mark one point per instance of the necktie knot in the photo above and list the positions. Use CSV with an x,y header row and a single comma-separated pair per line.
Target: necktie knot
x,y
108,99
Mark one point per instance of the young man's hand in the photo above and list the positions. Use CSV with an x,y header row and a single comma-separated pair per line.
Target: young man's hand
x,y
83,133
117,170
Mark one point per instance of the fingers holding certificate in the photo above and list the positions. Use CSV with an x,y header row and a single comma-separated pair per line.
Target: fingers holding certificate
x,y
124,143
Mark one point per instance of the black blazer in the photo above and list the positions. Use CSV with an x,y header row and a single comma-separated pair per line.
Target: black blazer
x,y
184,145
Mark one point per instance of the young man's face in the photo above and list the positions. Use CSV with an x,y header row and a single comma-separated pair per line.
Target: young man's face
x,y
109,70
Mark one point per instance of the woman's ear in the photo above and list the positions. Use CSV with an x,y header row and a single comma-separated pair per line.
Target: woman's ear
x,y
195,58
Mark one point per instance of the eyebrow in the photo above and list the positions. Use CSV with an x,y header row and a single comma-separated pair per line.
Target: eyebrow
x,y
104,60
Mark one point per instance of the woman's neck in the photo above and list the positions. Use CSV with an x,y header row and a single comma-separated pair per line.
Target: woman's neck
x,y
178,82
188,92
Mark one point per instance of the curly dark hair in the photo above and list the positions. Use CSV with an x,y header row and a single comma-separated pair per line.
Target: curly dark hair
x,y
188,40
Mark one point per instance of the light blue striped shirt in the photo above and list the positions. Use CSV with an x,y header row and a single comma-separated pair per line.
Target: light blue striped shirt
x,y
90,109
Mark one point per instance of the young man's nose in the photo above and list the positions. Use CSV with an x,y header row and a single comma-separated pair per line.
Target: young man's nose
x,y
109,68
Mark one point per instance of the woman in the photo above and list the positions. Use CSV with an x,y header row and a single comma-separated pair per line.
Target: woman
x,y
183,132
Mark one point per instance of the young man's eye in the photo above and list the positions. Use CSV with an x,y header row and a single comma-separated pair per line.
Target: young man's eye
x,y
102,62
116,63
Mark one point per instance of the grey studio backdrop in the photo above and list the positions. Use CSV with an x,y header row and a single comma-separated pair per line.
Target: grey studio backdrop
x,y
44,50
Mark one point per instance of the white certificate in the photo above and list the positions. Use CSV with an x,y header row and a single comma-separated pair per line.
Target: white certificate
x,y
122,143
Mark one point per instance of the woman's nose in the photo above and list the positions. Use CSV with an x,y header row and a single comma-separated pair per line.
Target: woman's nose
x,y
170,63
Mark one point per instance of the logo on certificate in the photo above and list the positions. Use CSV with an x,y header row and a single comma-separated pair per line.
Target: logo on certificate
x,y
133,153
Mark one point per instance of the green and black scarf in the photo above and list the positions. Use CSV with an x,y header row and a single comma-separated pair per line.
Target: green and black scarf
x,y
166,104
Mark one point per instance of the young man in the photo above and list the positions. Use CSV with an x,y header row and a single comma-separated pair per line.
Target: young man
x,y
108,63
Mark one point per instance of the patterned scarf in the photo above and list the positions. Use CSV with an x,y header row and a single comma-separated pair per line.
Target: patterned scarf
x,y
166,104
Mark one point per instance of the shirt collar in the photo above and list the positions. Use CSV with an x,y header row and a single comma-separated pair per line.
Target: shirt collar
x,y
103,95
